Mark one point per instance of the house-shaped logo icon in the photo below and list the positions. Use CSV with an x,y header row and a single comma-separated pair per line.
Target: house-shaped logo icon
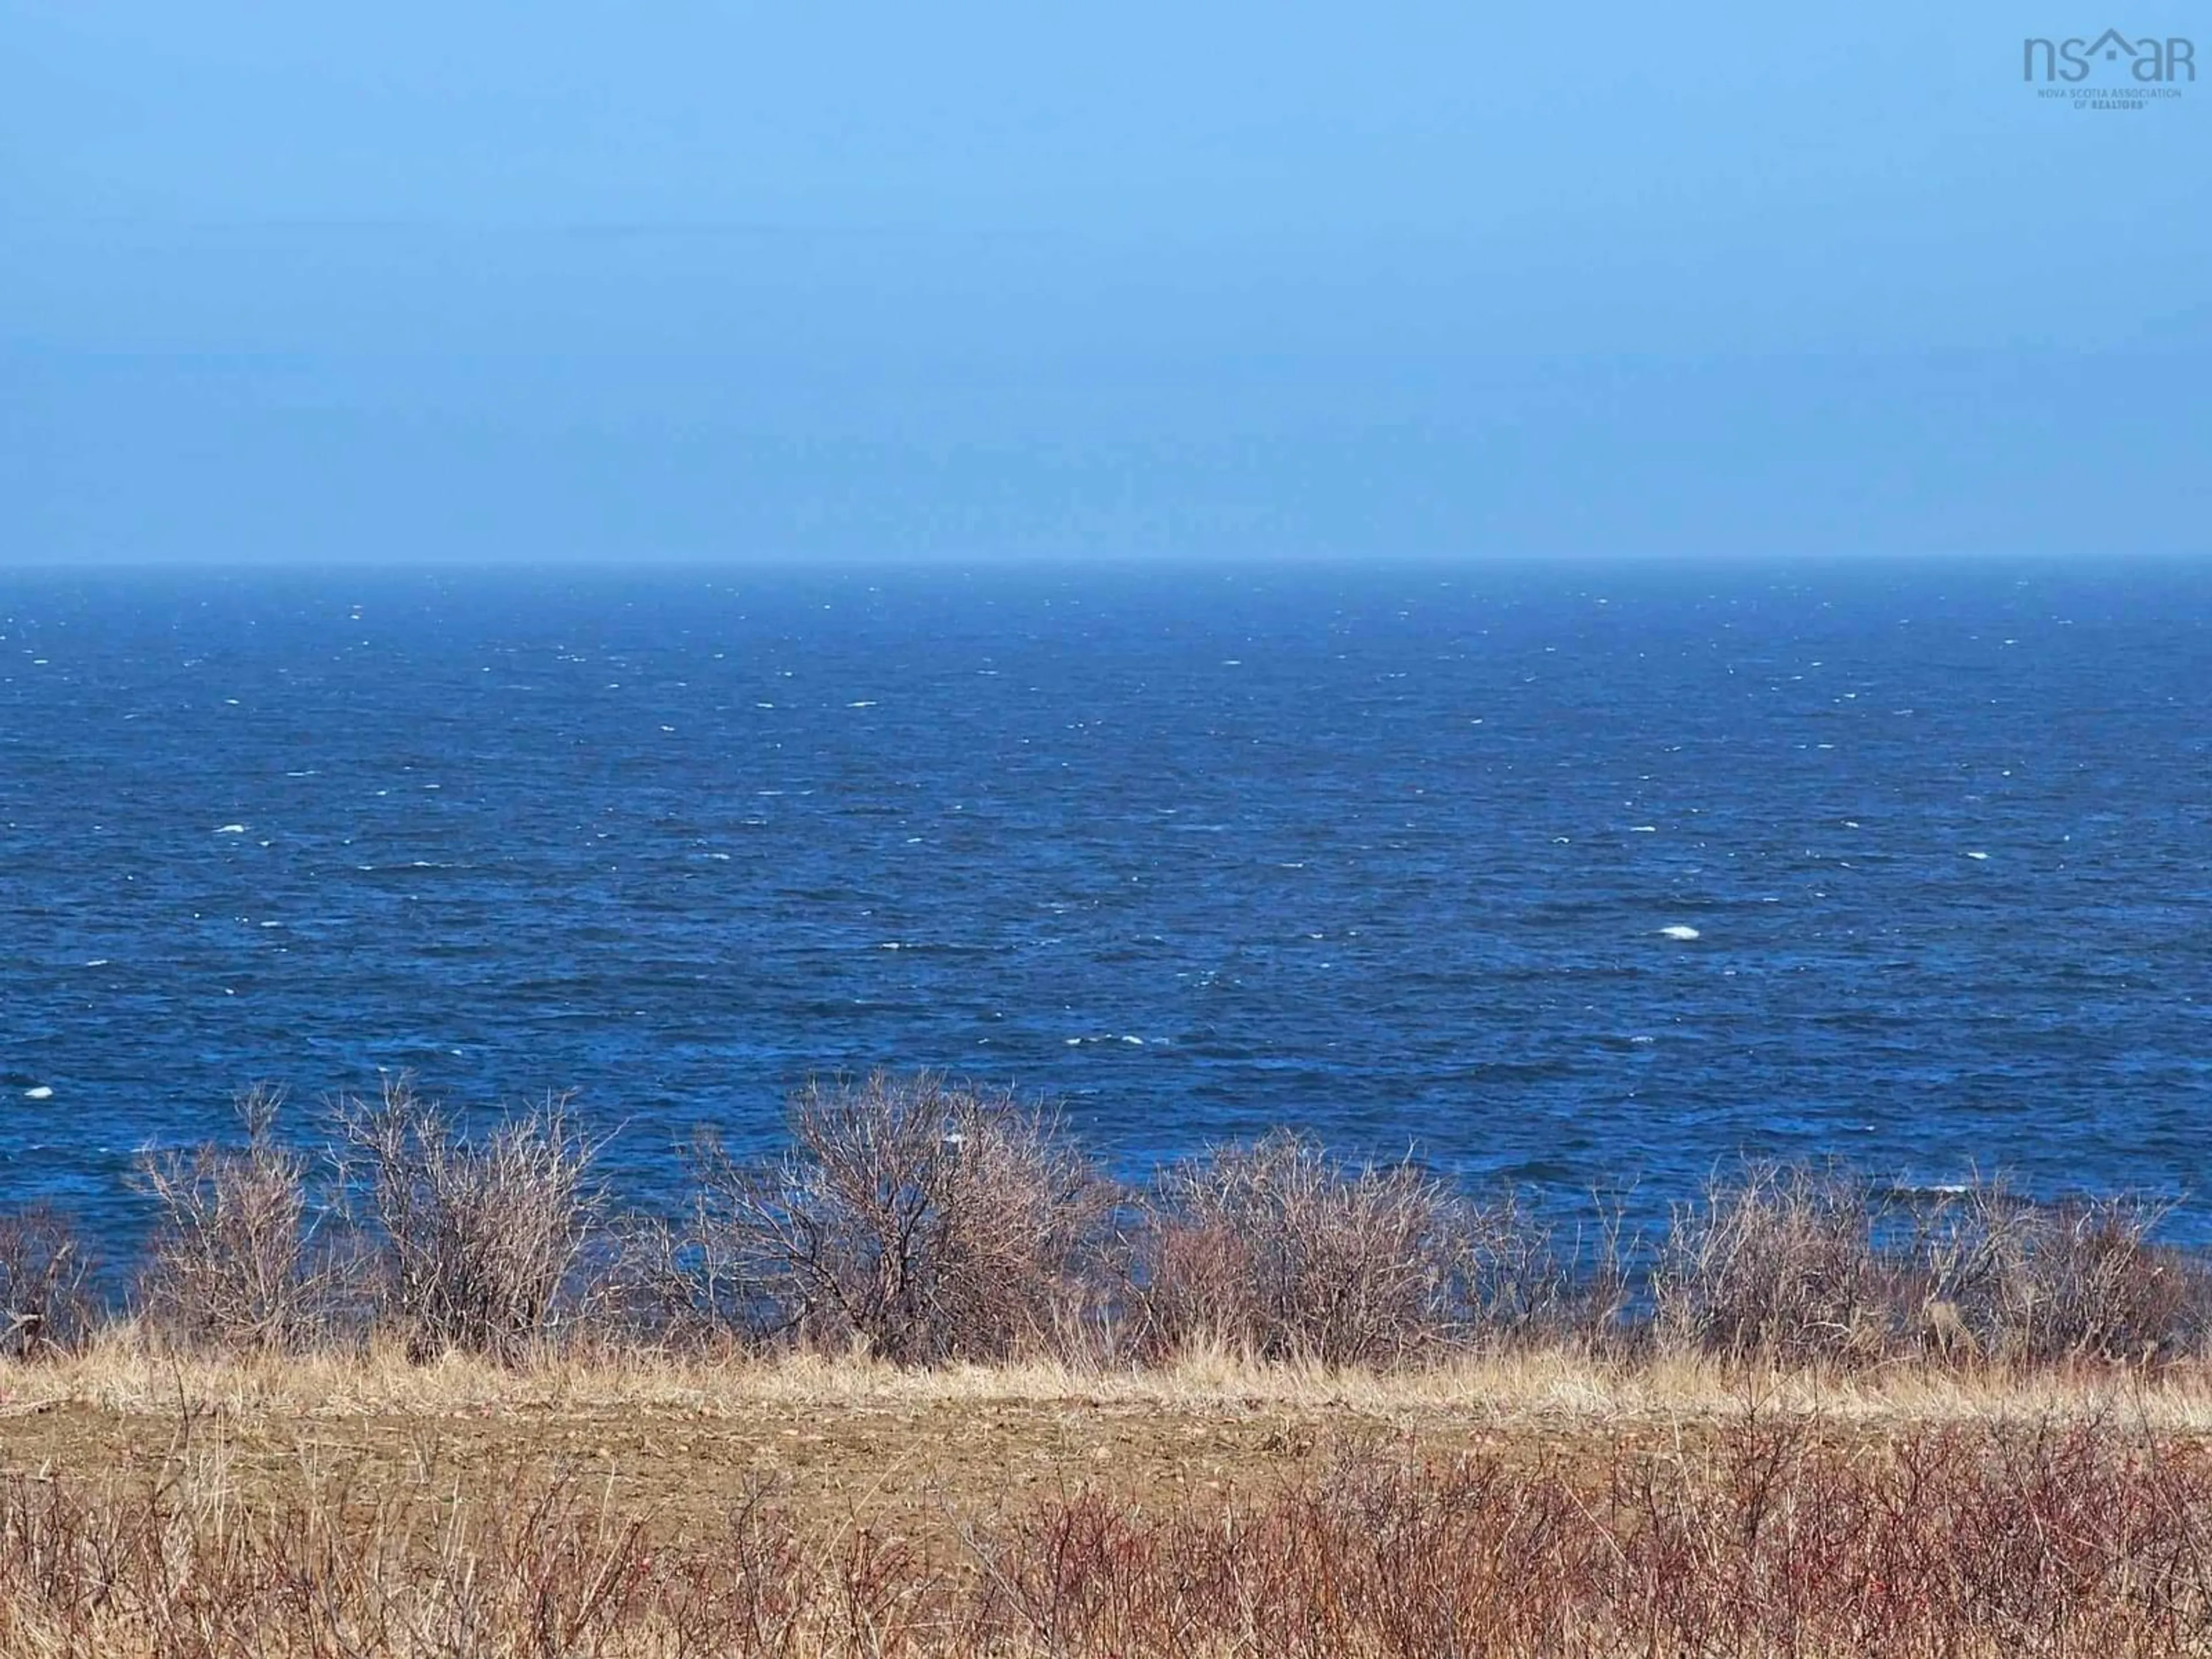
x,y
2147,60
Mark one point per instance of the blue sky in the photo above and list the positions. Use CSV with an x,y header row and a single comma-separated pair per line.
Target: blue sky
x,y
979,281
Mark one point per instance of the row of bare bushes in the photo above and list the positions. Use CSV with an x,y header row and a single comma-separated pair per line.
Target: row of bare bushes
x,y
408,1226
2024,1538
921,1221
1804,1265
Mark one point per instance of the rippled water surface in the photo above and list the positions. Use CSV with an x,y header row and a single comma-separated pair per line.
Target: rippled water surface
x,y
1564,876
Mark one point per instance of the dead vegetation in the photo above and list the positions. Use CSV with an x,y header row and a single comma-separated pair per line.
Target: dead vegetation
x,y
2043,1538
924,1221
231,1263
1277,1250
1799,1266
921,1221
928,1382
46,1297
475,1243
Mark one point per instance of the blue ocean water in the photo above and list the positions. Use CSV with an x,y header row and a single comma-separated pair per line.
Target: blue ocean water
x,y
1562,877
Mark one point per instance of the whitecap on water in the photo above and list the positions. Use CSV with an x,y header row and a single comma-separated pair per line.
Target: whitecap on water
x,y
232,830
1642,829
41,1092
1978,855
1679,931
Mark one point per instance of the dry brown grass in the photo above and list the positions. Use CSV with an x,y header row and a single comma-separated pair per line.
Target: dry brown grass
x,y
121,1376
1533,1502
928,1384
267,1506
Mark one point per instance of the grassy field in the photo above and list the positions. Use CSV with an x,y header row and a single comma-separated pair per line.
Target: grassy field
x,y
928,1382
1543,1504
846,1440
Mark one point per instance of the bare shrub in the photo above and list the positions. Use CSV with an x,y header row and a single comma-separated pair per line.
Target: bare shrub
x,y
1780,1262
1798,1265
1278,1250
2024,1283
231,1262
46,1304
655,1290
1527,1284
475,1243
927,1220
